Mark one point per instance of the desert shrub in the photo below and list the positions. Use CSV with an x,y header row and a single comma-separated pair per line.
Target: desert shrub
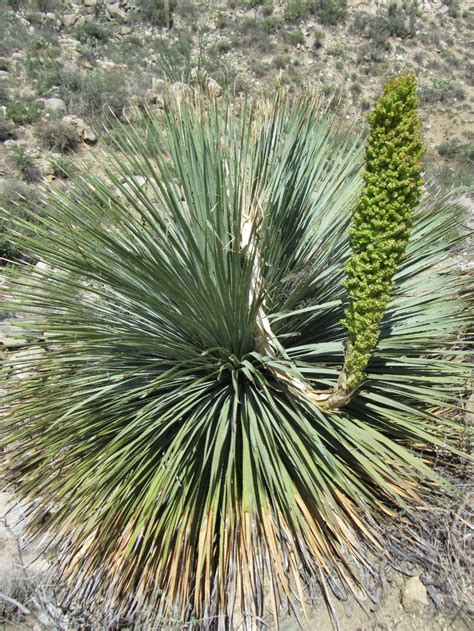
x,y
259,68
157,12
96,94
294,38
442,91
454,7
58,136
281,61
47,6
391,20
177,439
223,46
267,8
7,130
336,50
24,112
272,24
21,159
356,89
455,149
318,40
246,4
330,12
63,167
93,32
296,10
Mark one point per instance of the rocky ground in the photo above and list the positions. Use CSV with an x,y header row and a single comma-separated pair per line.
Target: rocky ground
x,y
68,68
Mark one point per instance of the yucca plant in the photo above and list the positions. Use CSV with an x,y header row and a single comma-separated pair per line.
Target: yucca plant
x,y
175,438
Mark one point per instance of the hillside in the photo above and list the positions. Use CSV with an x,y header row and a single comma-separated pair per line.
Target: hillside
x,y
79,59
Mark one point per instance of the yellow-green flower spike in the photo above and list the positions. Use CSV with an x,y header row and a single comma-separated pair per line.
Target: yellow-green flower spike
x,y
382,220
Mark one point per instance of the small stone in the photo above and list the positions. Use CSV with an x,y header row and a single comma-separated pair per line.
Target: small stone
x,y
414,595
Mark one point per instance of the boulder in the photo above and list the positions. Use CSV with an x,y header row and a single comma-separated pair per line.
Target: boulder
x,y
115,13
414,596
85,131
69,19
54,105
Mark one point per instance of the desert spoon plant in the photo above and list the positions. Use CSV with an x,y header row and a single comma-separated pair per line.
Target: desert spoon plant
x,y
174,438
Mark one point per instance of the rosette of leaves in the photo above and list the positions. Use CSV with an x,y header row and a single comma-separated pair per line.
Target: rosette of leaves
x,y
169,438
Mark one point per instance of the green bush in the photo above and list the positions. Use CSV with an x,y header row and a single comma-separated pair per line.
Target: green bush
x,y
58,136
7,130
296,10
455,149
454,7
48,6
319,36
294,38
93,32
64,168
96,94
24,112
272,24
157,12
22,160
330,12
442,91
336,50
173,437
